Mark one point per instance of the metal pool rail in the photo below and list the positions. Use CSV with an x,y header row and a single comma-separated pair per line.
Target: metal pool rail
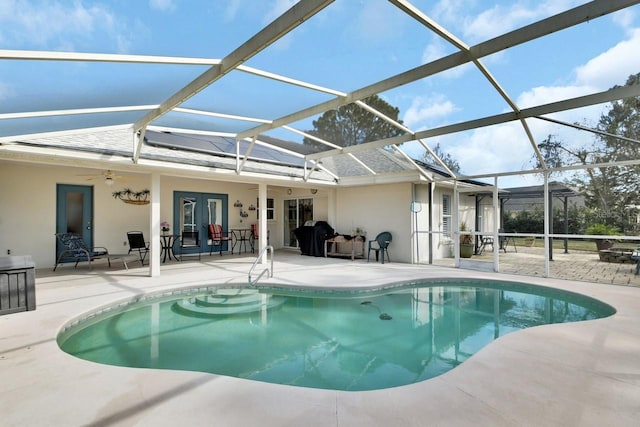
x,y
252,283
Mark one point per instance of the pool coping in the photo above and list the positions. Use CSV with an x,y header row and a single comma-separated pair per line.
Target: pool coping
x,y
584,373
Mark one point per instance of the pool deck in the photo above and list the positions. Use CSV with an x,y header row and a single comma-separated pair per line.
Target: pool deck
x,y
578,374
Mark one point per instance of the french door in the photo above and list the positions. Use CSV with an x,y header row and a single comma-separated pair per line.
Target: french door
x,y
192,214
297,212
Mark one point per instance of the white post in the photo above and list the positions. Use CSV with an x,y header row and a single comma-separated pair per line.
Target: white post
x,y
262,225
496,226
456,225
154,221
547,218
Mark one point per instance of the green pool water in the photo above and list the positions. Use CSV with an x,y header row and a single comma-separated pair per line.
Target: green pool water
x,y
352,340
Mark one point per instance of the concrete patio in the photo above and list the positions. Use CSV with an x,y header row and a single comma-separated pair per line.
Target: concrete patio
x,y
578,374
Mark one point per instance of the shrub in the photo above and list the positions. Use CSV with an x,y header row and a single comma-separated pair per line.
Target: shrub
x,y
602,230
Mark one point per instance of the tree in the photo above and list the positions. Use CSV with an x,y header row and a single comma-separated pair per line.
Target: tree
x,y
608,190
446,158
351,124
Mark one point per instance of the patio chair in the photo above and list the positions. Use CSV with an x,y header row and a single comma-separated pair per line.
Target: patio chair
x,y
217,237
189,240
255,235
380,245
75,249
138,244
484,242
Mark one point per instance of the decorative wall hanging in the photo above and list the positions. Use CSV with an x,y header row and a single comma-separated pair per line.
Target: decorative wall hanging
x,y
133,197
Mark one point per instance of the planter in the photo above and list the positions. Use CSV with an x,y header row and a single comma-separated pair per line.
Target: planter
x,y
604,244
466,250
619,255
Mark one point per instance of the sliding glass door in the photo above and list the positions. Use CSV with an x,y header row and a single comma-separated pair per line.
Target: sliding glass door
x,y
297,212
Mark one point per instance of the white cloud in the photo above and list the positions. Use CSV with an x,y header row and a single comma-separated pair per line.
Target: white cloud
x,y
507,148
497,20
425,111
624,18
232,9
55,23
475,24
278,8
613,66
162,5
433,51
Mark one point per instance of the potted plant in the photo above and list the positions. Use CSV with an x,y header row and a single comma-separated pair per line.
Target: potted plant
x,y
466,242
603,230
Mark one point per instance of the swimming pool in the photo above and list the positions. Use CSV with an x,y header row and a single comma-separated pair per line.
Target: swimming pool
x,y
341,340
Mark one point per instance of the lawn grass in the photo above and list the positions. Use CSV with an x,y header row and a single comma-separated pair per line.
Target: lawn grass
x,y
574,244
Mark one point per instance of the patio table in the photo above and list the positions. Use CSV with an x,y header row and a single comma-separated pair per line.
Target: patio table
x,y
166,243
240,237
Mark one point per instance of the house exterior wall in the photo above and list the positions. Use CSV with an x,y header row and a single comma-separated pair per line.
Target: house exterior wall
x,y
28,211
28,208
377,208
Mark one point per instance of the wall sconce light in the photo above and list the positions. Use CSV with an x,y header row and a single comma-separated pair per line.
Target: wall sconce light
x,y
252,208
243,214
108,181
237,204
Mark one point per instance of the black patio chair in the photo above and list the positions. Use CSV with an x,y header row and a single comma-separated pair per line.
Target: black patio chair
x,y
380,245
189,240
75,249
138,244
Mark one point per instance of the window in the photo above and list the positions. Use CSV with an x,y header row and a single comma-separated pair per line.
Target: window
x,y
271,209
446,215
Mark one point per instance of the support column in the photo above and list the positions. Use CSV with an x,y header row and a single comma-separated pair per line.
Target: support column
x,y
262,224
154,222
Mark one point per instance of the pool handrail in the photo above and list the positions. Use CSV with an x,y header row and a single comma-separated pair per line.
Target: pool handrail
x,y
252,283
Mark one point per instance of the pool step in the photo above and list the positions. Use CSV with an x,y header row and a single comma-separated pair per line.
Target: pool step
x,y
227,301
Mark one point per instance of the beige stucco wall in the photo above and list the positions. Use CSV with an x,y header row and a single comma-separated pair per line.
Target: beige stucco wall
x,y
377,208
28,211
28,207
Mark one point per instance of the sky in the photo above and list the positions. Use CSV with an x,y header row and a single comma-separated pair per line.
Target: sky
x,y
349,45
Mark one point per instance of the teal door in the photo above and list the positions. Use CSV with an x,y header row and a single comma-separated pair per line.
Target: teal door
x,y
192,214
74,212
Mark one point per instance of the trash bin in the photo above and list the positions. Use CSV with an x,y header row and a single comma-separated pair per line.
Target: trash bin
x,y
17,284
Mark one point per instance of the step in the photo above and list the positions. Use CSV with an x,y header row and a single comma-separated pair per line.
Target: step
x,y
226,303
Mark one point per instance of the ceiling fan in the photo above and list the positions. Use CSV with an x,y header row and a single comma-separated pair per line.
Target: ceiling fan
x,y
109,177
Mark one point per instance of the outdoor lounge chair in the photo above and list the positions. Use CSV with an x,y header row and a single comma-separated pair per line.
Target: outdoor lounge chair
x,y
137,244
217,237
380,245
75,249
